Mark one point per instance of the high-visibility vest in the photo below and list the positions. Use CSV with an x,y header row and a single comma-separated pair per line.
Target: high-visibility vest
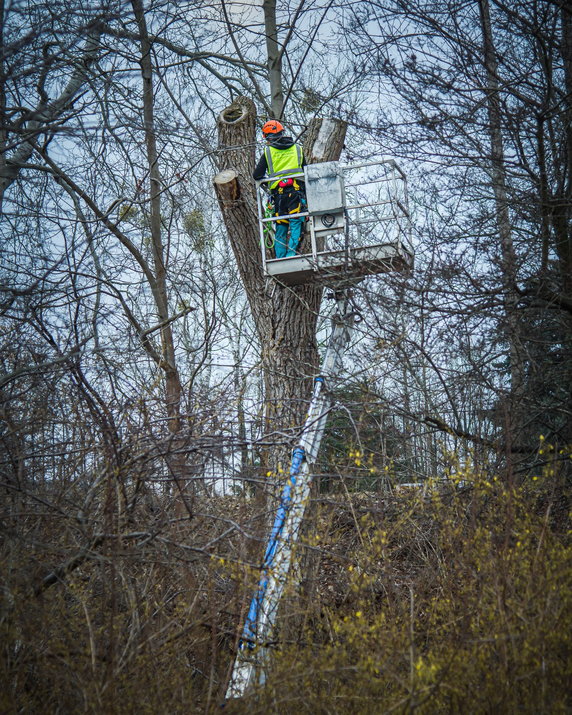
x,y
283,161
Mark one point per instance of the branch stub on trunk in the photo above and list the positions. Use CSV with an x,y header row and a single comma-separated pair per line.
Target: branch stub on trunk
x,y
324,139
227,186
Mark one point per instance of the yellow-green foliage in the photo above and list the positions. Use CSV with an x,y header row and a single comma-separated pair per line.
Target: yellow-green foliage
x,y
460,601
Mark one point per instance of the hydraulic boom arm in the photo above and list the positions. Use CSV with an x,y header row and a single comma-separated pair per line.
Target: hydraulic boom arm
x,y
254,645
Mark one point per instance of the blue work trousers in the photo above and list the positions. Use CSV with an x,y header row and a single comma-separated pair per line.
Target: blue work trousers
x,y
286,246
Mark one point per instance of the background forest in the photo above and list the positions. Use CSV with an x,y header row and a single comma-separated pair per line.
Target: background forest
x,y
152,383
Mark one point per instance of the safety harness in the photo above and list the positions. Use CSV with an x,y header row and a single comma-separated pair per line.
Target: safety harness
x,y
288,196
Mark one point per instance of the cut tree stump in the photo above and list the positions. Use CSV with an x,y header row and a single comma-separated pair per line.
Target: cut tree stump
x,y
227,186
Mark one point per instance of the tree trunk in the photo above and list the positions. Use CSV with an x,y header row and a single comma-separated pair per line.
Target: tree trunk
x,y
173,388
515,411
285,318
563,212
562,220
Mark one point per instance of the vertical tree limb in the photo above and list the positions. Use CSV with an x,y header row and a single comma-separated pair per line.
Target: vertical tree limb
x,y
508,261
274,58
173,388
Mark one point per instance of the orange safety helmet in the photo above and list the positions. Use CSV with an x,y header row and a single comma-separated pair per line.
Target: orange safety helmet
x,y
272,127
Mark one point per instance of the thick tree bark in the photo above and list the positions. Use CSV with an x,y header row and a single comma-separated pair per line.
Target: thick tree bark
x,y
285,318
324,139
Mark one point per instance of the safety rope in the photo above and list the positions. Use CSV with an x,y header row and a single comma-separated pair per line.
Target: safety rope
x,y
268,228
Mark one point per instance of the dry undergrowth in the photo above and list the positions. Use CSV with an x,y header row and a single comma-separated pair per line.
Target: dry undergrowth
x,y
447,600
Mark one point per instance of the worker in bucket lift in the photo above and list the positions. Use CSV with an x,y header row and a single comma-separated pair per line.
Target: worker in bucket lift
x,y
283,156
